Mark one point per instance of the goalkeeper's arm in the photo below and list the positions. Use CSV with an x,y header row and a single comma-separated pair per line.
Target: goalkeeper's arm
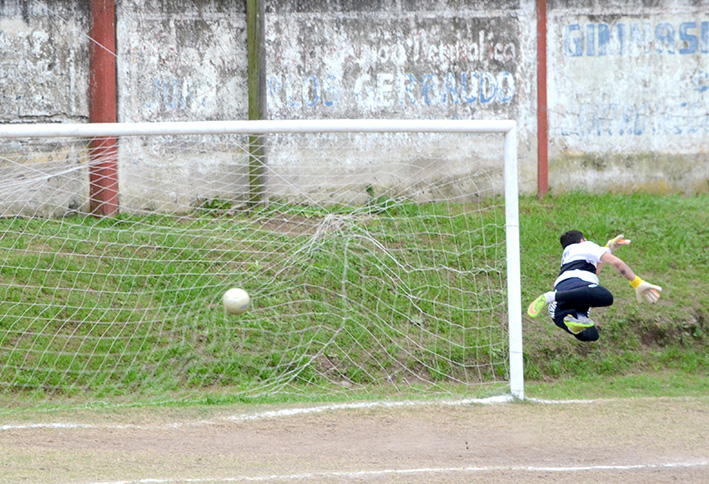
x,y
613,245
642,288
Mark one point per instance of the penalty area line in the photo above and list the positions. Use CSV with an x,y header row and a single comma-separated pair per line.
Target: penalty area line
x,y
423,470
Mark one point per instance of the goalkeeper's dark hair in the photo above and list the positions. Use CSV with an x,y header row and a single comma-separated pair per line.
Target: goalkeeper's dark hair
x,y
571,237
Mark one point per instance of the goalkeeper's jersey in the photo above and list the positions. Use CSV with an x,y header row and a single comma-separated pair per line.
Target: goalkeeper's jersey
x,y
580,260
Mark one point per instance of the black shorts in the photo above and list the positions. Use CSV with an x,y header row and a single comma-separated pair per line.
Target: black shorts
x,y
576,297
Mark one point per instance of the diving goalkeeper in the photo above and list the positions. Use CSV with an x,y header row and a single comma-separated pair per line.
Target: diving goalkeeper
x,y
577,287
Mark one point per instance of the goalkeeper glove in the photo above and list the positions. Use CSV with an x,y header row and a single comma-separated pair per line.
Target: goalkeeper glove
x,y
642,288
616,242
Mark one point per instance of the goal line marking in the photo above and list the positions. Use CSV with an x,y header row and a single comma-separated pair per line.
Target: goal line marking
x,y
273,414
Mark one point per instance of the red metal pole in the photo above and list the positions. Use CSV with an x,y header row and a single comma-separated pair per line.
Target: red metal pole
x,y
542,121
103,171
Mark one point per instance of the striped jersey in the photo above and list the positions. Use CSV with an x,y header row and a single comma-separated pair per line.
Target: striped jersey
x,y
580,260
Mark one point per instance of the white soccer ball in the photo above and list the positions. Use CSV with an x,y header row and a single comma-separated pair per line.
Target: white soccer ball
x,y
236,301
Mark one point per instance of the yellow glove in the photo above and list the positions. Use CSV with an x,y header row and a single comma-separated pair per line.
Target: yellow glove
x,y
616,242
642,288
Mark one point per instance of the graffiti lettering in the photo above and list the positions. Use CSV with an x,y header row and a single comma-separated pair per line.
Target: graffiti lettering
x,y
172,93
619,119
636,38
386,89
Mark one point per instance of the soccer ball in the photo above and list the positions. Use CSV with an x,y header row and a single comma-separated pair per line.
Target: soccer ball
x,y
236,301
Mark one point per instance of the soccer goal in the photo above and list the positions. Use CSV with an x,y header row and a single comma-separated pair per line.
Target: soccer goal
x,y
379,256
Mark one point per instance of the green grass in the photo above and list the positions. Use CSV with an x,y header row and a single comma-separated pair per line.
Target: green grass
x,y
665,383
129,307
142,320
670,247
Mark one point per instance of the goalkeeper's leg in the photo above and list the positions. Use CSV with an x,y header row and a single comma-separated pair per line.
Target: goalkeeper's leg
x,y
573,300
586,295
575,293
575,322
588,334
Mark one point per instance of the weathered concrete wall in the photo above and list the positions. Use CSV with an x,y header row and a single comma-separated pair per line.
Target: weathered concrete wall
x,y
44,77
176,60
424,59
44,61
404,59
628,82
629,95
179,60
418,60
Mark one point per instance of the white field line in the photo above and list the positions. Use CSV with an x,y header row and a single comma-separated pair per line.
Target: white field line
x,y
367,405
399,472
272,414
357,474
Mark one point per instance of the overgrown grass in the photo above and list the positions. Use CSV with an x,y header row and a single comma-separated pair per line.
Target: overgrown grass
x,y
346,299
156,330
670,247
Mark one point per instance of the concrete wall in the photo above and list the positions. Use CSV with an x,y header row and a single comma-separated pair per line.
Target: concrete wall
x,y
404,59
180,60
44,77
628,80
629,95
44,61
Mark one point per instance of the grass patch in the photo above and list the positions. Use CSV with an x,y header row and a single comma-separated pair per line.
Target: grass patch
x,y
662,383
670,247
127,309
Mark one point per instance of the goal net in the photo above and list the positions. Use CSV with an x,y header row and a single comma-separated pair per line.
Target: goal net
x,y
380,257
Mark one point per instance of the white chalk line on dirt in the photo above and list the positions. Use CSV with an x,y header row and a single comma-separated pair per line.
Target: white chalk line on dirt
x,y
271,414
425,470
291,412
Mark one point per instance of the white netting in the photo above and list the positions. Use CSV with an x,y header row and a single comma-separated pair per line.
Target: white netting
x,y
374,261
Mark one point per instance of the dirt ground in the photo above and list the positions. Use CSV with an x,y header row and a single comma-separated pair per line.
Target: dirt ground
x,y
627,440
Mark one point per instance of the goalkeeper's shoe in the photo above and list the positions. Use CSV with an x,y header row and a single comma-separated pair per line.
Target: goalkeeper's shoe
x,y
535,308
578,323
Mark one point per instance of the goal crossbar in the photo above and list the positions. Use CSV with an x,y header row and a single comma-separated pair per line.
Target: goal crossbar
x,y
95,130
511,189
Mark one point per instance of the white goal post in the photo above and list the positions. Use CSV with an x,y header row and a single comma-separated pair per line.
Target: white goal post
x,y
381,126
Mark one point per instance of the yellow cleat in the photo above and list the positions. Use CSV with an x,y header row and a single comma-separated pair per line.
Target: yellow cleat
x,y
536,307
578,324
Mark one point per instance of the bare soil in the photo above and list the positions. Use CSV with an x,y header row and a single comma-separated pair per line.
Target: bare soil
x,y
626,440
